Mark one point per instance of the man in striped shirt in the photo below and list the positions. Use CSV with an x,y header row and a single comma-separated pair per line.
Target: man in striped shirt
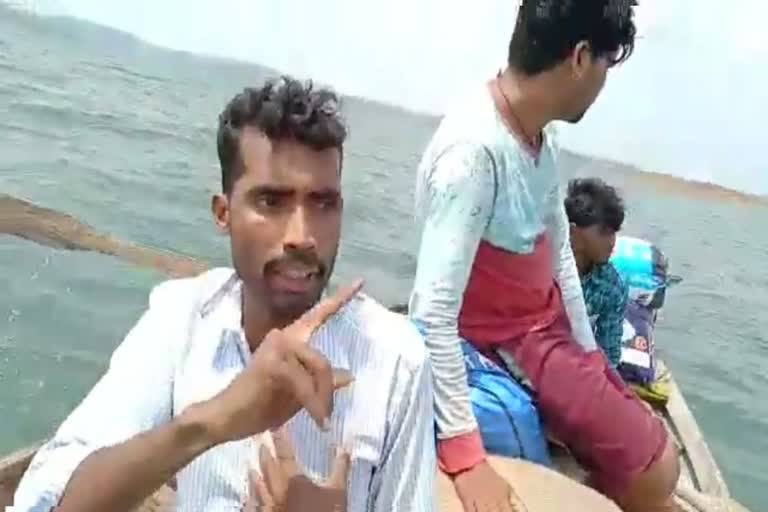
x,y
596,212
220,359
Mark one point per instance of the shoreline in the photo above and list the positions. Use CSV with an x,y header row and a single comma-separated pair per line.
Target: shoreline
x,y
578,164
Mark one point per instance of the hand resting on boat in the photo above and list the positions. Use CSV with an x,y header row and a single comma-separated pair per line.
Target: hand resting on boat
x,y
482,488
283,376
538,489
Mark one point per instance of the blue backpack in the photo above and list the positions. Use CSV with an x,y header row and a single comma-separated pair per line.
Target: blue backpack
x,y
506,414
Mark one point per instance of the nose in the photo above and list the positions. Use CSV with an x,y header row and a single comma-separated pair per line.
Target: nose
x,y
298,236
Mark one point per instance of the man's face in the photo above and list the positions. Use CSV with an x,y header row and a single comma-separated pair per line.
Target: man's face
x,y
283,216
587,80
595,242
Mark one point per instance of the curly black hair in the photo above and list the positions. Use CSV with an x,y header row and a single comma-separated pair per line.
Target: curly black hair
x,y
548,30
591,201
283,108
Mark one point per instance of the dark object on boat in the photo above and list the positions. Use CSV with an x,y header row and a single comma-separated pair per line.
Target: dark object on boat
x,y
401,308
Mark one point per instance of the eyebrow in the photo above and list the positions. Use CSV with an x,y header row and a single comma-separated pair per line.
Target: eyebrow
x,y
281,191
275,190
326,193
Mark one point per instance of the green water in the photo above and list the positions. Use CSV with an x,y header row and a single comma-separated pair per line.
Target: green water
x,y
121,135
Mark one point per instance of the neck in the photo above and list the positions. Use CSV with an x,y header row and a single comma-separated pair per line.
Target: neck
x,y
583,265
528,100
257,320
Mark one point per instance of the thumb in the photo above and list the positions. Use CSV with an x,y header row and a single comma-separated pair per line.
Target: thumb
x,y
286,456
340,470
259,495
341,378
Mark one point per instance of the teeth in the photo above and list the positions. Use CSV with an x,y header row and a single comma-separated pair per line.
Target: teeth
x,y
297,274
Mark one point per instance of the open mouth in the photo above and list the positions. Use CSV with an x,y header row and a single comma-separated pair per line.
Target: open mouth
x,y
294,279
297,274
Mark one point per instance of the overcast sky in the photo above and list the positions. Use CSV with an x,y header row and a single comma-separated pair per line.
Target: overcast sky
x,y
690,102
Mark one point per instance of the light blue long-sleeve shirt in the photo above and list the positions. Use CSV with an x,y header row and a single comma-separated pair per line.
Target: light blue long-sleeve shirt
x,y
476,182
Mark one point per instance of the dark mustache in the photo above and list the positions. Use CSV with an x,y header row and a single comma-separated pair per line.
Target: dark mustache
x,y
304,257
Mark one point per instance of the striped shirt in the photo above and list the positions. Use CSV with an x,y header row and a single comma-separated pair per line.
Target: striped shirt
x,y
189,345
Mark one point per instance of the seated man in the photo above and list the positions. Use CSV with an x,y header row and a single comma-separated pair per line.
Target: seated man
x,y
596,212
229,354
495,267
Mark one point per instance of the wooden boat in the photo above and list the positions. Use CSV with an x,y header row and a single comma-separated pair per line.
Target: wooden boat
x,y
700,471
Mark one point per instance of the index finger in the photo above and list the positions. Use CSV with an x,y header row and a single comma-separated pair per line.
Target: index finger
x,y
308,323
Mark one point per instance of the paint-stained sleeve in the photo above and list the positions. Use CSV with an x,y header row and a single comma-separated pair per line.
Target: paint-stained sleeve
x,y
455,199
134,395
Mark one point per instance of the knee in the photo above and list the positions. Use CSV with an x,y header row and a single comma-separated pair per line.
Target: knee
x,y
653,489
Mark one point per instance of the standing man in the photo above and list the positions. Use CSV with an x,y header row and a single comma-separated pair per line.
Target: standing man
x,y
232,353
495,266
596,212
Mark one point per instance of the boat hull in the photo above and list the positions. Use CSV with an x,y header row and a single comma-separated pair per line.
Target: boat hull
x,y
700,471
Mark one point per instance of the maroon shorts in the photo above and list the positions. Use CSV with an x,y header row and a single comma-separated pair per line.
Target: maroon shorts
x,y
587,406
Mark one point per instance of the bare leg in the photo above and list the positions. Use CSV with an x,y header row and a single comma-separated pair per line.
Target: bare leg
x,y
653,490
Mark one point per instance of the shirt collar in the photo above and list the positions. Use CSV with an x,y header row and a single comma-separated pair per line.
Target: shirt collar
x,y
228,292
224,301
596,269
